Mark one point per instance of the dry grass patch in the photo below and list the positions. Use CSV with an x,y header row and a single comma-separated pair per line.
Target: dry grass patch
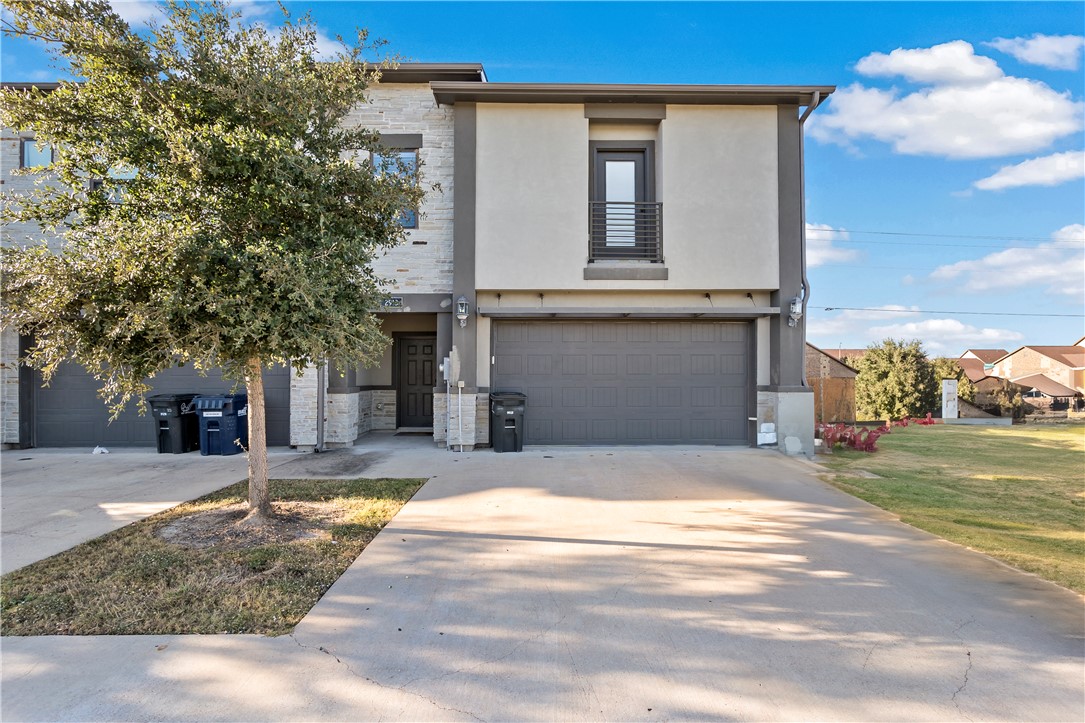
x,y
192,569
1011,492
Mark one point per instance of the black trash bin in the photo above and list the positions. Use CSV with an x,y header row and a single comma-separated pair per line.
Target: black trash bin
x,y
223,419
177,429
507,421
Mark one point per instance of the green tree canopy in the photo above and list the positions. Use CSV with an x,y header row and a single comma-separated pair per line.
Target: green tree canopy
x,y
895,380
233,213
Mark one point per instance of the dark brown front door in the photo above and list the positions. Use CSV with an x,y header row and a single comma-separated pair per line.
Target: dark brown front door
x,y
416,369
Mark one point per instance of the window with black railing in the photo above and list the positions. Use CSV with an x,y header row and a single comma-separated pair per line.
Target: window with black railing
x,y
625,220
626,230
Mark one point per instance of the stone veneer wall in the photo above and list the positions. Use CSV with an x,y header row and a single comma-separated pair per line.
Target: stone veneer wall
x,y
9,388
342,425
303,408
365,411
440,412
384,409
482,420
470,429
424,263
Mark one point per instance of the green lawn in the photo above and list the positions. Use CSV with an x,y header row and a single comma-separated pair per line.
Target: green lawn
x,y
1015,493
191,569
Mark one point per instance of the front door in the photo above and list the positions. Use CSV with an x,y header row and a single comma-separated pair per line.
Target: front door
x,y
416,374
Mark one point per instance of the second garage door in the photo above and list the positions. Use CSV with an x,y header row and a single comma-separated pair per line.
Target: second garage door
x,y
627,382
69,412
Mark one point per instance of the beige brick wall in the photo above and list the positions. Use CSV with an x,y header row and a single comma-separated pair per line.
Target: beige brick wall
x,y
424,263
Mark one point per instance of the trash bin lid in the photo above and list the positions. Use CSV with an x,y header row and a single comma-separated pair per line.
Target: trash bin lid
x,y
508,397
171,398
220,401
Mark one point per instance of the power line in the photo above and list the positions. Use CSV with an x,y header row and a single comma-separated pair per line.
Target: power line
x,y
949,235
970,313
938,245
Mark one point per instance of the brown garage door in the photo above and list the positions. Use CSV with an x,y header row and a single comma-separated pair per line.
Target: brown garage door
x,y
69,412
627,382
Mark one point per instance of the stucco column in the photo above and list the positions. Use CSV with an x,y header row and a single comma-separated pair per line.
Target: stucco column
x,y
463,238
792,399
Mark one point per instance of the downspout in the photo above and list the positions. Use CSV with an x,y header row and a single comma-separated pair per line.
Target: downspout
x,y
815,101
321,406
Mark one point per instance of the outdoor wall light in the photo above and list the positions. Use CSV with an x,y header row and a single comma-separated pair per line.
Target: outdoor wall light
x,y
463,310
796,312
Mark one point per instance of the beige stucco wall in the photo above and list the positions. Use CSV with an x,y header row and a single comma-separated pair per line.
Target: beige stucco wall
x,y
531,195
721,196
716,177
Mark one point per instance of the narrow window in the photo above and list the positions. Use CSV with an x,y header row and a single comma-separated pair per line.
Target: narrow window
x,y
405,161
35,156
625,218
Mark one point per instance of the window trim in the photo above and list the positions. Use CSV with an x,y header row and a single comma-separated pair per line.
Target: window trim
x,y
388,150
648,148
22,153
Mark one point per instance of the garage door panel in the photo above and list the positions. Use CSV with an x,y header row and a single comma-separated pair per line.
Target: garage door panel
x,y
597,382
69,412
574,431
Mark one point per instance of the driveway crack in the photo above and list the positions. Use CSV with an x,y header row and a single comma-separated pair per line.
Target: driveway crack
x,y
401,689
967,670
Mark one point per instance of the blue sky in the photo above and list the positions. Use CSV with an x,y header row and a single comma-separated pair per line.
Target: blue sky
x,y
945,175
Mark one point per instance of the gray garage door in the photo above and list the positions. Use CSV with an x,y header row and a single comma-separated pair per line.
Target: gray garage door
x,y
69,413
627,382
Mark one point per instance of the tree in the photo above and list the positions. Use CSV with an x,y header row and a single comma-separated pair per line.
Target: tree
x,y
944,368
895,380
233,214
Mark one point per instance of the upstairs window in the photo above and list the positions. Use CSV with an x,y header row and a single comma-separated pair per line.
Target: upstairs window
x,y
626,220
400,160
34,156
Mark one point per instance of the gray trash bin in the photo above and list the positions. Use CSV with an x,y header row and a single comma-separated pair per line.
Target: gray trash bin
x,y
176,426
507,421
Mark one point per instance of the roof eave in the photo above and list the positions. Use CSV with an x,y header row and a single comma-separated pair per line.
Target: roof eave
x,y
449,93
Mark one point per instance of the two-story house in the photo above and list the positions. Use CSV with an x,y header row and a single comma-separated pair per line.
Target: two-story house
x,y
630,257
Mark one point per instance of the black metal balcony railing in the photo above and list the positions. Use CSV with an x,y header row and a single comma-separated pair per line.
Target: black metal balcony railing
x,y
626,230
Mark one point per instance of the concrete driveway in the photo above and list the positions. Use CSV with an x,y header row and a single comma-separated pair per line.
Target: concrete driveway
x,y
54,499
608,584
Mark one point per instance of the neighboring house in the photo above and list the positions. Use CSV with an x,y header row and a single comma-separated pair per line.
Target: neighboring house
x,y
847,356
833,383
977,364
1052,374
631,257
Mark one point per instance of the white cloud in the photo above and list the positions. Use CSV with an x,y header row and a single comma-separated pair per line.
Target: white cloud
x,y
327,47
1058,52
139,12
969,109
946,336
954,62
1046,171
1055,266
819,245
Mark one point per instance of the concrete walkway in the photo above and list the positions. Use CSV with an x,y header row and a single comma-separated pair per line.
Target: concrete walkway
x,y
607,584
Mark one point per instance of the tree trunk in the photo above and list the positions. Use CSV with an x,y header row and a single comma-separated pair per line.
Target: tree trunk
x,y
259,496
